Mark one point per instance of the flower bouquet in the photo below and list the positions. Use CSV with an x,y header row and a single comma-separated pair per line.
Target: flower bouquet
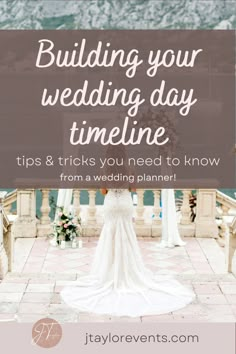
x,y
67,227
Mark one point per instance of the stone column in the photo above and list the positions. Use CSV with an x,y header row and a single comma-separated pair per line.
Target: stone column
x,y
156,221
3,255
44,227
92,206
142,229
224,228
76,202
25,224
92,227
230,245
140,208
7,209
206,213
185,208
8,242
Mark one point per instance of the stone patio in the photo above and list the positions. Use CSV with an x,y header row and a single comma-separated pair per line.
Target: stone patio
x,y
32,290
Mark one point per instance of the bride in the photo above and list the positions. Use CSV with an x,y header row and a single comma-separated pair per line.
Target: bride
x,y
119,284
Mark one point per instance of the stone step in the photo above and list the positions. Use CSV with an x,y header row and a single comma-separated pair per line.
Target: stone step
x,y
41,276
229,277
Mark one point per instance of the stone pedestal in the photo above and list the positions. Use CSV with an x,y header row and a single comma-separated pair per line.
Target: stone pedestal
x,y
25,224
8,242
3,262
156,220
185,208
91,215
156,230
44,230
230,245
44,227
92,227
76,202
187,230
143,230
92,230
206,211
3,255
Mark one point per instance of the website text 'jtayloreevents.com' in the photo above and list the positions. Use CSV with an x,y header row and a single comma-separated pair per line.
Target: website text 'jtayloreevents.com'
x,y
130,338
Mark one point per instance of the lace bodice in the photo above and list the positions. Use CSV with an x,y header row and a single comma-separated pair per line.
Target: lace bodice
x,y
118,191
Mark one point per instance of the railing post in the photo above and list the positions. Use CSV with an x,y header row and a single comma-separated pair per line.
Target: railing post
x,y
92,228
8,242
230,245
142,228
44,228
224,227
25,224
76,202
140,208
156,208
205,213
3,255
92,206
7,209
156,221
185,208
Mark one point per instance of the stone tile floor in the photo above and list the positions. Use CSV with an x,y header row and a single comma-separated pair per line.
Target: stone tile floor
x,y
32,290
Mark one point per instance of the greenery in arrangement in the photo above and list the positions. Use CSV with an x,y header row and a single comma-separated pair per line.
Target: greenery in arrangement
x,y
67,226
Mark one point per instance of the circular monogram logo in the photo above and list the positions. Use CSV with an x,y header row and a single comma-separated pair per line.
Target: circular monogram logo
x,y
46,333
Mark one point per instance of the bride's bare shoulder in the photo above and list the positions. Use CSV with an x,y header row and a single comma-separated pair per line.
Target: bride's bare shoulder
x,y
103,191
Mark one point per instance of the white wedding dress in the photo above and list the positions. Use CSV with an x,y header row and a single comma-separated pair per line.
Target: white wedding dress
x,y
119,284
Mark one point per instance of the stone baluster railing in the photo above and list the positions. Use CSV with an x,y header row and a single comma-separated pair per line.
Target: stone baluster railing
x,y
225,200
26,222
8,240
44,227
91,227
76,202
92,206
224,227
230,245
227,207
45,207
140,208
185,208
141,227
225,212
205,221
3,254
9,200
156,207
156,220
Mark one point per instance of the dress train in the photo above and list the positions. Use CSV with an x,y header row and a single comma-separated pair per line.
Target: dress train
x,y
119,284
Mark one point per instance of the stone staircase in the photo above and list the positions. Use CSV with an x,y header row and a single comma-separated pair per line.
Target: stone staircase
x,y
40,271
